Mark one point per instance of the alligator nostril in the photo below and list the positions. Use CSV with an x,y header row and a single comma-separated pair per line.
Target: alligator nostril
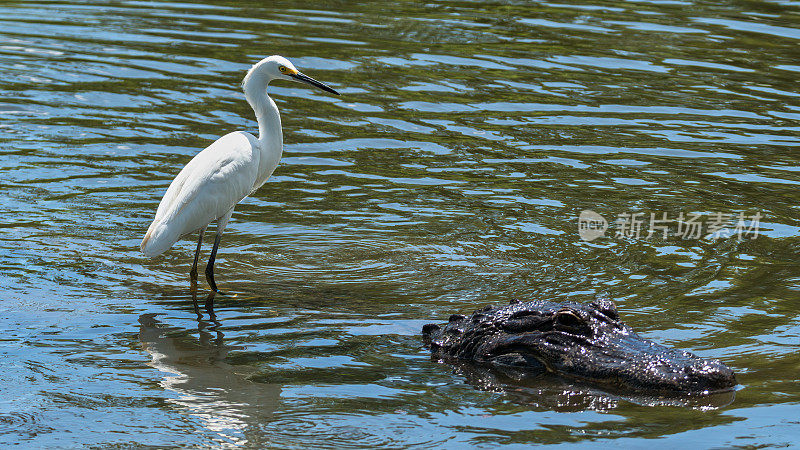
x,y
428,329
703,368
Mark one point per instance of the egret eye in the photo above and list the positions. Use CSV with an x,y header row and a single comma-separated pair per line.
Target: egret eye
x,y
283,69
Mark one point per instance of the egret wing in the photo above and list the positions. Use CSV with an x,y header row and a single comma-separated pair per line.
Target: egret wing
x,y
207,188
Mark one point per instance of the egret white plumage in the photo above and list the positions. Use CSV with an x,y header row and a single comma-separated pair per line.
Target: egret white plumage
x,y
209,187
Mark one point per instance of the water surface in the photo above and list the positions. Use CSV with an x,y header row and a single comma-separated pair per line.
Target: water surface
x,y
450,174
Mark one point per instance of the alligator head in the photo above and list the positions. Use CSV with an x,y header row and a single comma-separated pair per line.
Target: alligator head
x,y
584,341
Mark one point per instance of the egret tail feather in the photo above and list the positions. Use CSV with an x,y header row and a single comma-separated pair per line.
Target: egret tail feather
x,y
158,239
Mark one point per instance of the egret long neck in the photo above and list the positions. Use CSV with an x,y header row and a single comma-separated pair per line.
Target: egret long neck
x,y
270,136
269,122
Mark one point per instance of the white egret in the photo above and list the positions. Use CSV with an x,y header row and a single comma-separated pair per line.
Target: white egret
x,y
209,187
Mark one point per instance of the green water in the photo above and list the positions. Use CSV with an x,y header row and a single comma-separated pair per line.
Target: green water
x,y
450,174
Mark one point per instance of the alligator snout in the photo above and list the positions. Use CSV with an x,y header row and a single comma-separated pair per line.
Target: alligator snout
x,y
710,376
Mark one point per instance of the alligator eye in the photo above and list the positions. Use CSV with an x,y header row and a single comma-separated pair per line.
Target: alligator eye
x,y
568,318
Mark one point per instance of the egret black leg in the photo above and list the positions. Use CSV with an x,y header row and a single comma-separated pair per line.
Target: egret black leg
x,y
210,266
193,273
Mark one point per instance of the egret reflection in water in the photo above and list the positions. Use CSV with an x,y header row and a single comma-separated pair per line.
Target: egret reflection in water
x,y
193,365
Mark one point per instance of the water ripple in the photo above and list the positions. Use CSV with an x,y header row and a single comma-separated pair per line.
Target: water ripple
x,y
449,175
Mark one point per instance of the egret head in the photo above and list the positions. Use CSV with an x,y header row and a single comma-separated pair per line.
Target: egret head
x,y
277,67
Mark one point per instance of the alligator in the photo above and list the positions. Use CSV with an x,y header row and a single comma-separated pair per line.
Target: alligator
x,y
583,341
